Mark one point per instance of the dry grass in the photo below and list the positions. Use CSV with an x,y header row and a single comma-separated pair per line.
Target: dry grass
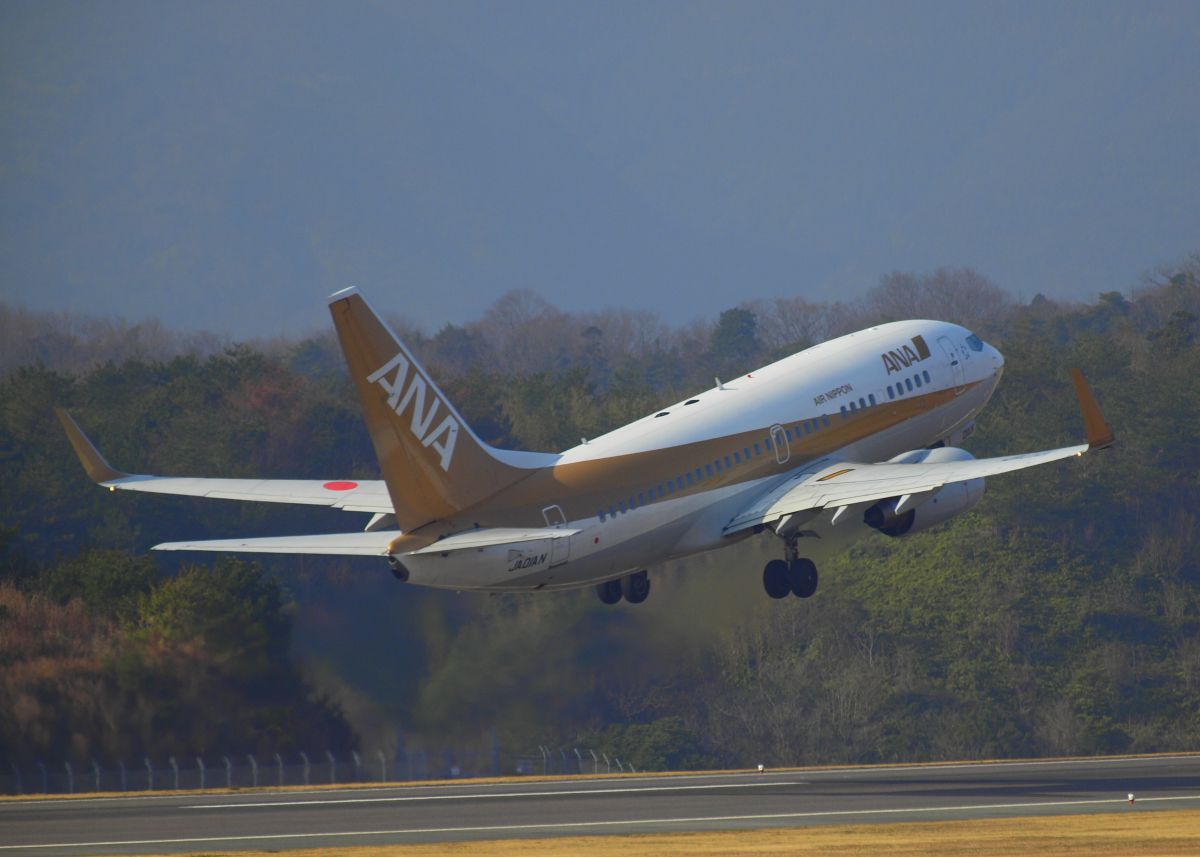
x,y
1137,833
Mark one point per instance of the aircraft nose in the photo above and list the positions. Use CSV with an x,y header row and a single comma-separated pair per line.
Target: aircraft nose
x,y
997,360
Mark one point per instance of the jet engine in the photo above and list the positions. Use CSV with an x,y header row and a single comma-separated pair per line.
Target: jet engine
x,y
902,516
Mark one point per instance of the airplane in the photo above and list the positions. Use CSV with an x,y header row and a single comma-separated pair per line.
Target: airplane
x,y
864,427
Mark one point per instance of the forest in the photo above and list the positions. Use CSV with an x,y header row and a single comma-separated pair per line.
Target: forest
x,y
1060,616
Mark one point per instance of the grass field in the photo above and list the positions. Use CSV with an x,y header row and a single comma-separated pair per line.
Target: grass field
x,y
1137,833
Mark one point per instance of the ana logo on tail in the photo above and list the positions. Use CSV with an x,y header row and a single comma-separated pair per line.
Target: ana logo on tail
x,y
441,439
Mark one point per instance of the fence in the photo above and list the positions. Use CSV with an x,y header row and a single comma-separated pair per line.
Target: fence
x,y
298,769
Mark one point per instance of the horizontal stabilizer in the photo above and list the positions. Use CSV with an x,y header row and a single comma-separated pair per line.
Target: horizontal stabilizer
x,y
495,536
370,543
334,544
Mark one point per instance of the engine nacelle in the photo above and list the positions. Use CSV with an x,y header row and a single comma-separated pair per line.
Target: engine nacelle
x,y
948,501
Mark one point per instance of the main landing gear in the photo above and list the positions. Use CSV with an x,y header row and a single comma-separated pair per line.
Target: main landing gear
x,y
632,587
793,574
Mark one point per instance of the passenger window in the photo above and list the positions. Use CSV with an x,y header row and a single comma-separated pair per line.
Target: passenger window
x,y
917,379
727,464
825,417
871,397
767,441
853,407
787,432
757,449
926,374
737,458
862,403
708,469
689,478
843,411
600,515
747,451
612,511
621,503
641,499
808,428
679,482
891,392
908,384
717,464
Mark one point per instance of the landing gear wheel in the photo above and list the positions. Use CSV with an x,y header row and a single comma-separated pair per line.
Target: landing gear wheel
x,y
609,591
775,579
802,577
635,587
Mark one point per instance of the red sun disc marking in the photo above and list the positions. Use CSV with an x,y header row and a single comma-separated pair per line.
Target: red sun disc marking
x,y
340,486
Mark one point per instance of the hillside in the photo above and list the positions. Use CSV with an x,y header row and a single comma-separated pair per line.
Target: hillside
x,y
1062,615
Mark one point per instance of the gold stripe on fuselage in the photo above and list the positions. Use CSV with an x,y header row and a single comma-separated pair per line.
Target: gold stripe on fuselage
x,y
583,488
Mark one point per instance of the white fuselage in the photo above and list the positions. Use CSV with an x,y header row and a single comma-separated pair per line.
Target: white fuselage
x,y
864,397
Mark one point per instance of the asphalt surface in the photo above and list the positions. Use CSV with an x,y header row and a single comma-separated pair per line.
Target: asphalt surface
x,y
144,824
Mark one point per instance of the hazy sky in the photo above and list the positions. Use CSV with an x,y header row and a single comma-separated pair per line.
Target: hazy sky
x,y
228,165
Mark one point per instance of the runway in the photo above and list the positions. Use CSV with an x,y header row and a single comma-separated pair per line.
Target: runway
x,y
150,824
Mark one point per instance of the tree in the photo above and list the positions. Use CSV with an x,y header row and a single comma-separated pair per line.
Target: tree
x,y
734,345
109,583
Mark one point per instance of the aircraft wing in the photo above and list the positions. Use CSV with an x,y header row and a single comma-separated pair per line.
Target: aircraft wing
x,y
836,484
848,483
367,496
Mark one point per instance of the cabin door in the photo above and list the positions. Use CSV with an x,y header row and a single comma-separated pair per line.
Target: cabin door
x,y
783,450
956,366
560,549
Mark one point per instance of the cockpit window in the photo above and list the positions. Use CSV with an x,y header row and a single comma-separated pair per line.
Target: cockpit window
x,y
975,343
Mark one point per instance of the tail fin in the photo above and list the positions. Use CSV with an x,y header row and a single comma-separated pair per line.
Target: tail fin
x,y
433,464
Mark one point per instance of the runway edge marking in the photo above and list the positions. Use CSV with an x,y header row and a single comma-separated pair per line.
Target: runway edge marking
x,y
268,804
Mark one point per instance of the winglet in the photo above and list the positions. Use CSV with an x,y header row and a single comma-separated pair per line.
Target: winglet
x,y
91,459
1099,435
